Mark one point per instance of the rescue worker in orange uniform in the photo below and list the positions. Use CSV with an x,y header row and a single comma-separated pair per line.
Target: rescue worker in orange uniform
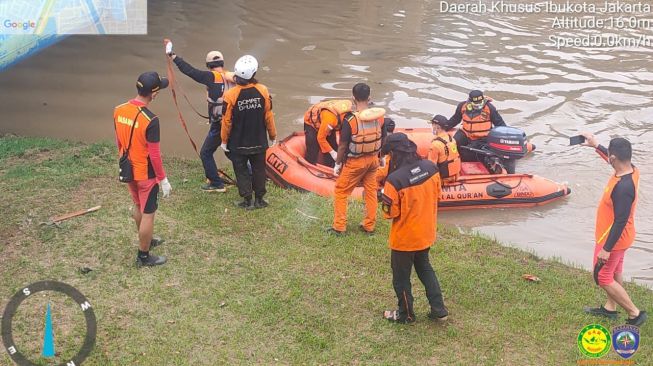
x,y
216,80
137,134
358,158
247,123
382,173
444,151
410,199
478,115
321,121
615,229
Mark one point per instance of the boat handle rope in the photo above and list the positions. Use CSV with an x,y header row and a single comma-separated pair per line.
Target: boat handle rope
x,y
305,164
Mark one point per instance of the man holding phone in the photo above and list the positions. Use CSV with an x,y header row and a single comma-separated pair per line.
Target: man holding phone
x,y
576,140
615,229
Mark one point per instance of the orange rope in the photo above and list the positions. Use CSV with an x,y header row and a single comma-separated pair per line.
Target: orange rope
x,y
173,83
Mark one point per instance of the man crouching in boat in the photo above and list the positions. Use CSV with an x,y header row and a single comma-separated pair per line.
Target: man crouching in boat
x,y
410,199
321,121
358,158
444,151
478,115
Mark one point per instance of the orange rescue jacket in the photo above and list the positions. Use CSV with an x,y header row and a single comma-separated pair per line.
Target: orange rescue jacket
x,y
247,117
605,217
123,120
410,199
479,125
444,152
215,105
337,107
366,136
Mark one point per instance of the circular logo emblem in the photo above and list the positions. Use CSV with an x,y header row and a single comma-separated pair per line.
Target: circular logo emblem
x,y
594,341
48,350
625,340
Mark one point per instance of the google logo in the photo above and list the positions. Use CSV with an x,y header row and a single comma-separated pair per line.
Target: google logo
x,y
8,23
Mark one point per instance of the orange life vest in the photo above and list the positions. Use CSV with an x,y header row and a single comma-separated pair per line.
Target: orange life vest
x,y
365,135
605,215
126,116
448,157
339,107
479,125
215,105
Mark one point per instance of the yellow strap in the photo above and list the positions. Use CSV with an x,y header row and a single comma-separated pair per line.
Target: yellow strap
x,y
604,234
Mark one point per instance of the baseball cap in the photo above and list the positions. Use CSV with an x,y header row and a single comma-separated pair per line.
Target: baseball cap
x,y
214,56
150,82
440,120
476,96
398,142
389,124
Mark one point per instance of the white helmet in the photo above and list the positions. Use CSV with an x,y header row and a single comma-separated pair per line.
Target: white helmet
x,y
246,67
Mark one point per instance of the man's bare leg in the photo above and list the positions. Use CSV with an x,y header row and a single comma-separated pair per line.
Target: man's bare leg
x,y
619,295
137,216
611,304
145,231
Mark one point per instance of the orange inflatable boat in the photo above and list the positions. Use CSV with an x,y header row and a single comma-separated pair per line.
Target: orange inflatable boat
x,y
475,188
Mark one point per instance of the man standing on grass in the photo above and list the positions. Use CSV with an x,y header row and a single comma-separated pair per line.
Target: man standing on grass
x,y
216,80
137,134
357,162
410,199
615,229
247,124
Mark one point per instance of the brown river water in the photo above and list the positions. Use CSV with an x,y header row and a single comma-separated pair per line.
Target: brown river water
x,y
418,60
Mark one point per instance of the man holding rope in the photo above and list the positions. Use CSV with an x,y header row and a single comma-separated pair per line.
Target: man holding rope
x,y
217,80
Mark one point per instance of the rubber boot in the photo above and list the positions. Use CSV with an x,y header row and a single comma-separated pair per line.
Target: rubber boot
x,y
246,203
259,202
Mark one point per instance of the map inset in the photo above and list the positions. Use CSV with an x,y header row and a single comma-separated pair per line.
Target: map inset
x,y
64,17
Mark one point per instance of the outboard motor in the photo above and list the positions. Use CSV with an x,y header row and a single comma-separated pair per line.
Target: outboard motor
x,y
509,144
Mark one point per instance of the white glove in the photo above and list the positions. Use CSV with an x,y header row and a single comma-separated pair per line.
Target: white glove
x,y
166,188
169,48
223,146
333,154
273,142
336,169
382,162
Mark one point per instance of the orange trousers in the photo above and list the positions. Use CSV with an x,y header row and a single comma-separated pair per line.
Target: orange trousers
x,y
356,170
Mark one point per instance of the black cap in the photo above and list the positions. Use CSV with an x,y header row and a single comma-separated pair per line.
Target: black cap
x,y
150,82
398,142
475,96
440,120
389,124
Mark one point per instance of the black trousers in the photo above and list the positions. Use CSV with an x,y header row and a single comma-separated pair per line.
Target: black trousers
x,y
210,145
249,183
313,147
481,144
463,140
402,263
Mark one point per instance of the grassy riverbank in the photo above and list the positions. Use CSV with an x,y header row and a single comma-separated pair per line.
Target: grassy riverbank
x,y
268,286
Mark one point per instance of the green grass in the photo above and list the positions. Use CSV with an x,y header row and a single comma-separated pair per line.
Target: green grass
x,y
268,286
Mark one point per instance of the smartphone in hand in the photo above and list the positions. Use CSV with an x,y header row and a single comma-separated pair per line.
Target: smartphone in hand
x,y
576,140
